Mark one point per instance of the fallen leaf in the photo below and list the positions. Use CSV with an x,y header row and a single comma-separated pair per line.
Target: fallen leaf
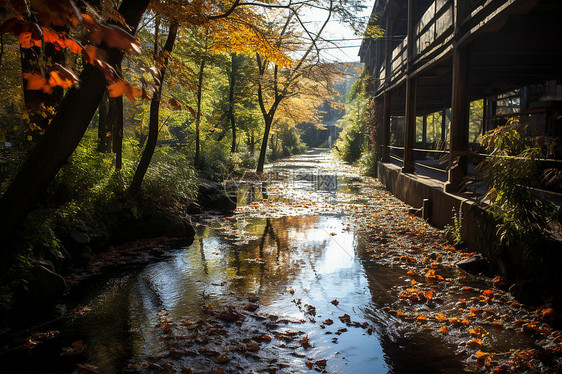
x,y
474,343
75,348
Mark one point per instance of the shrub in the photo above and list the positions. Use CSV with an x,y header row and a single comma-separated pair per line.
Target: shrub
x,y
368,163
512,170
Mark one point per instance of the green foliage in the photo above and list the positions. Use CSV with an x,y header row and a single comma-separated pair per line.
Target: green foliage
x,y
453,232
368,163
352,141
285,141
512,170
170,183
216,162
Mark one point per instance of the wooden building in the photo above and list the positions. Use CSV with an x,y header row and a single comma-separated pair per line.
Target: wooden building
x,y
440,55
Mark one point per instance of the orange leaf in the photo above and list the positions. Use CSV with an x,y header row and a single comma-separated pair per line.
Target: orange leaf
x,y
482,355
120,87
57,12
114,37
444,329
455,321
548,314
488,293
441,317
429,294
174,103
474,343
26,40
34,81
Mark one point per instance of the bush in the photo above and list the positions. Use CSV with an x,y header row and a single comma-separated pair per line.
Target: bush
x,y
351,143
215,161
170,183
368,163
511,171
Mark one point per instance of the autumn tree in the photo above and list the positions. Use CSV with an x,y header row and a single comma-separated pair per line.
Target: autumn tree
x,y
78,106
203,37
154,108
277,83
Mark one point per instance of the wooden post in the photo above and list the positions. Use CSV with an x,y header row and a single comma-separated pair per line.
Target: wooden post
x,y
411,83
410,126
460,112
386,102
460,103
444,127
424,131
386,127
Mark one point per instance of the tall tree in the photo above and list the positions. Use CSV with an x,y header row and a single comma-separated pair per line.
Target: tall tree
x,y
63,135
283,80
232,75
154,111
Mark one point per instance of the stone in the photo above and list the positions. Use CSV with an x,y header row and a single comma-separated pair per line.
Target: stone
x,y
475,264
160,224
78,237
44,290
530,291
77,245
194,208
212,196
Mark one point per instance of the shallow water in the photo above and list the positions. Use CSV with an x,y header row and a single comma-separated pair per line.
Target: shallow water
x,y
289,270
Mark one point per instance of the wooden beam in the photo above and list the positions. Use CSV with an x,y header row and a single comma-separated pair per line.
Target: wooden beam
x,y
386,128
460,111
410,126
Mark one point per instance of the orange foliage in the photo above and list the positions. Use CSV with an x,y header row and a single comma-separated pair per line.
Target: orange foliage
x,y
120,87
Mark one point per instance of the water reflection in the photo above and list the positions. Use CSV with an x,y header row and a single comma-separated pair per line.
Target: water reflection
x,y
313,255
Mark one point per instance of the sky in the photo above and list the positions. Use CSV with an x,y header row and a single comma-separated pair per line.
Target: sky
x,y
345,39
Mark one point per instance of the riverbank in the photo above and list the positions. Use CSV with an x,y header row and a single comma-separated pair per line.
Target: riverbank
x,y
319,269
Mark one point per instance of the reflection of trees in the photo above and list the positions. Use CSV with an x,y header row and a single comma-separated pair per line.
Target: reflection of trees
x,y
203,259
275,242
253,193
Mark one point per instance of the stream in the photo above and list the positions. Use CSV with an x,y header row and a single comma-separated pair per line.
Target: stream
x,y
292,283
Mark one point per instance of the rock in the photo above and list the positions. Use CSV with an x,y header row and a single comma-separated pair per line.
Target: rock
x,y
160,224
44,289
531,291
194,208
79,238
77,245
212,196
475,264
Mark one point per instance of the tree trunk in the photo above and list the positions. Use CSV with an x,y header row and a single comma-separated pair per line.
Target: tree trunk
x,y
61,138
198,114
263,149
153,118
116,124
105,131
232,84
